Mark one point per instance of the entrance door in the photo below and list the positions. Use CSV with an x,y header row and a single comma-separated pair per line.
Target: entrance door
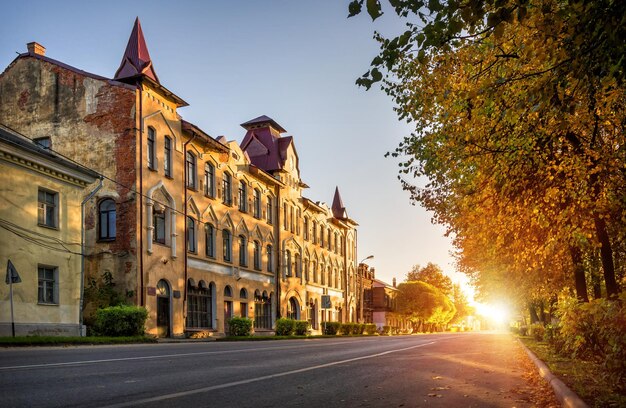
x,y
163,309
228,313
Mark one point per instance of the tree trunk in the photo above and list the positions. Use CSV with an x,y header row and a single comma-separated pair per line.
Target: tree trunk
x,y
606,255
579,274
534,318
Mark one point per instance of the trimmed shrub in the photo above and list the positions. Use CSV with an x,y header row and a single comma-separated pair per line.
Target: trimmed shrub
x,y
347,328
370,328
331,328
359,328
285,327
537,331
386,330
240,326
301,327
117,321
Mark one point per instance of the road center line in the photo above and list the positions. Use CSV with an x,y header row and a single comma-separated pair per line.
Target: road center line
x,y
256,379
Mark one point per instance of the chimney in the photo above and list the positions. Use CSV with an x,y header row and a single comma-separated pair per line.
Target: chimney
x,y
34,48
394,282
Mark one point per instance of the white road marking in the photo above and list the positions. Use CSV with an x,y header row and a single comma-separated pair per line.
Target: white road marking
x,y
256,379
155,357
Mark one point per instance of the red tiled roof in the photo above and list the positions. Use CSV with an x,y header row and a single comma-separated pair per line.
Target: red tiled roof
x,y
136,59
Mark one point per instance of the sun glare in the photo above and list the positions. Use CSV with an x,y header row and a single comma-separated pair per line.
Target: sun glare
x,y
498,313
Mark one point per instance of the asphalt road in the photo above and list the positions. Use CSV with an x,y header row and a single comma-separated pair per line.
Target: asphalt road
x,y
438,370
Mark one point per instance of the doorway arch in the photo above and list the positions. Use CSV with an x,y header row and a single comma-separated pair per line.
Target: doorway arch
x,y
164,309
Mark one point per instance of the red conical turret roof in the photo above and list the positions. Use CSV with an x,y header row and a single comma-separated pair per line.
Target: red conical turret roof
x,y
339,211
136,60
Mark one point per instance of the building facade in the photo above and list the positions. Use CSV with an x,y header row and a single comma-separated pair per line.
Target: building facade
x,y
196,229
40,225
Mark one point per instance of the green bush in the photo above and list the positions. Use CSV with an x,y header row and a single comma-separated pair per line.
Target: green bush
x,y
347,328
595,331
301,327
537,331
386,330
523,331
120,321
370,328
359,328
285,327
331,328
240,326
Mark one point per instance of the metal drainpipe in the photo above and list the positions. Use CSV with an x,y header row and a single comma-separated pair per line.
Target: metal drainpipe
x,y
193,136
141,285
279,252
82,253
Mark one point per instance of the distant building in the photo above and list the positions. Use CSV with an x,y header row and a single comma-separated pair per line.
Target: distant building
x,y
384,307
196,229
40,233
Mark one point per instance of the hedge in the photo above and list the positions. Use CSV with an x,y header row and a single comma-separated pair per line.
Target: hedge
x,y
301,327
240,326
117,321
285,327
331,328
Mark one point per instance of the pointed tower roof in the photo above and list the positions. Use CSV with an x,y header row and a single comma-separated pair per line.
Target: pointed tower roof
x,y
339,211
136,60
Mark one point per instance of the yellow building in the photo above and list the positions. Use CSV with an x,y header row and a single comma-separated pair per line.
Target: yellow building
x,y
40,233
193,228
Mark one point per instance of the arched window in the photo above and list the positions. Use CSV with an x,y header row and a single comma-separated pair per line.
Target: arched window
x,y
209,233
322,236
328,238
257,203
227,246
305,265
167,156
190,170
270,210
243,196
257,255
243,251
329,281
243,293
107,220
227,189
228,291
293,309
209,180
159,225
296,264
336,243
288,262
191,235
305,228
314,271
314,232
337,280
199,306
262,311
270,258
322,275
151,149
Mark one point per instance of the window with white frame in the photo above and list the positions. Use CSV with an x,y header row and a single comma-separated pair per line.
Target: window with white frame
x,y
243,251
227,189
257,203
48,277
167,156
209,233
191,235
48,208
227,245
209,180
151,149
243,196
190,170
107,215
257,255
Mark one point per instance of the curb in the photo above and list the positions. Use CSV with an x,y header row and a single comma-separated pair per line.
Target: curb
x,y
567,397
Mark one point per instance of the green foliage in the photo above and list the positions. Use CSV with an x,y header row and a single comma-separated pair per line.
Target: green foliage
x,y
331,328
433,275
423,303
120,321
596,331
301,327
370,328
537,331
285,327
240,326
359,328
385,330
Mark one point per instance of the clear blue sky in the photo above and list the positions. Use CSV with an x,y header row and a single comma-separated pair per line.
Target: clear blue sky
x,y
295,61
